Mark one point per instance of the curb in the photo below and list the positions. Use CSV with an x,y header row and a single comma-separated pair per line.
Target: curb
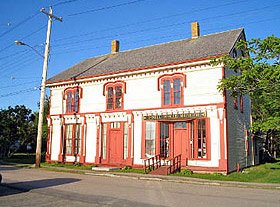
x,y
175,179
164,178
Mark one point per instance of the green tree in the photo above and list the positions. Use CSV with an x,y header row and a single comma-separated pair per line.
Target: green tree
x,y
258,75
17,126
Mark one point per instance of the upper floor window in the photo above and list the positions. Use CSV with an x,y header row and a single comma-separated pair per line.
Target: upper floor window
x,y
114,95
172,87
72,97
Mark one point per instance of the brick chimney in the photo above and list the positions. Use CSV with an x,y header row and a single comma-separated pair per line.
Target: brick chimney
x,y
195,30
115,46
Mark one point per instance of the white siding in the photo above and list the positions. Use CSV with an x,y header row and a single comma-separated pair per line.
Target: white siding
x,y
56,138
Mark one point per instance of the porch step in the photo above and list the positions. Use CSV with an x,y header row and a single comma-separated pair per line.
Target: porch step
x,y
163,170
105,169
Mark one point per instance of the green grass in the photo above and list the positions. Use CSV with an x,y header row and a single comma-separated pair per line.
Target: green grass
x,y
23,158
266,173
68,166
130,170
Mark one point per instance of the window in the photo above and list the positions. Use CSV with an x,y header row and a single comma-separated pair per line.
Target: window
x,y
172,89
198,139
114,97
167,92
201,139
235,104
241,103
177,91
72,100
164,140
180,125
125,141
72,139
150,135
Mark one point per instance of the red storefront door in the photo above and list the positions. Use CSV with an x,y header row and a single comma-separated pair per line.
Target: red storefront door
x,y
116,146
180,141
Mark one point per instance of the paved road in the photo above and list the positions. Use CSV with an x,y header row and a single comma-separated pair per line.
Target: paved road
x,y
31,187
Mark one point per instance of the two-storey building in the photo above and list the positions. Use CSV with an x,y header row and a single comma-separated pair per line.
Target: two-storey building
x,y
124,107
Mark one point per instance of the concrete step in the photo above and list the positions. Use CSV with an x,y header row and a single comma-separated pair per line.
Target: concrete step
x,y
104,169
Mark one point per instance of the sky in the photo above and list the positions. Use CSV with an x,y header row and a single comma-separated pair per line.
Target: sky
x,y
89,26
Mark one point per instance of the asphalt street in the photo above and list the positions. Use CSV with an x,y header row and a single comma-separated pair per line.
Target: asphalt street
x,y
33,187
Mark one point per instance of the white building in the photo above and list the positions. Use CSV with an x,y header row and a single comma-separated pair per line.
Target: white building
x,y
122,108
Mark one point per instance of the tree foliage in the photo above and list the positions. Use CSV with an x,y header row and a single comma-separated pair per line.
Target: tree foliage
x,y
17,126
258,75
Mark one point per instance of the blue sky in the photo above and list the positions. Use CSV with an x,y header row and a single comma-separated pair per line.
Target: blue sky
x,y
89,26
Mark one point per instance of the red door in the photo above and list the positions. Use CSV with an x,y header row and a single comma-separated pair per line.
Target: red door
x,y
116,146
180,142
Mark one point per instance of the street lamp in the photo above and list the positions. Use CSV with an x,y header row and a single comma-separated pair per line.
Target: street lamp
x,y
42,99
19,43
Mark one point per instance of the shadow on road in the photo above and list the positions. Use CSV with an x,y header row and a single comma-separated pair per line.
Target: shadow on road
x,y
5,168
21,187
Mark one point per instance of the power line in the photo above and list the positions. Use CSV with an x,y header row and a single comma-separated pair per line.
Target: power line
x,y
19,24
160,27
64,2
24,37
19,92
151,20
166,36
16,85
105,8
147,21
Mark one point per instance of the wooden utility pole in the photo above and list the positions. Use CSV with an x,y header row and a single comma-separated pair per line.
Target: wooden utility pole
x,y
43,85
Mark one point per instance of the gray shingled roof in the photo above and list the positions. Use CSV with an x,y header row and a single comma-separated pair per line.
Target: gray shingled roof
x,y
161,54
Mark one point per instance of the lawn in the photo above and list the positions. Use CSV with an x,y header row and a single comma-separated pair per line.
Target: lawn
x,y
23,158
265,173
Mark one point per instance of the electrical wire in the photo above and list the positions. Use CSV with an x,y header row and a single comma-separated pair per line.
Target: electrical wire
x,y
20,24
155,28
105,8
19,92
16,85
64,2
24,37
150,20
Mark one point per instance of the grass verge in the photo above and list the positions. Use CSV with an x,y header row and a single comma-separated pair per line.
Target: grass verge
x,y
266,173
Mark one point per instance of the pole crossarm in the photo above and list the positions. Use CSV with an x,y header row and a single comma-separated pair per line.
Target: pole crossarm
x,y
50,14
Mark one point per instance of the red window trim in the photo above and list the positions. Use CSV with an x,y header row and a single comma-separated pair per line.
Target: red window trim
x,y
235,104
171,129
171,78
73,139
241,103
114,85
65,96
143,140
208,140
